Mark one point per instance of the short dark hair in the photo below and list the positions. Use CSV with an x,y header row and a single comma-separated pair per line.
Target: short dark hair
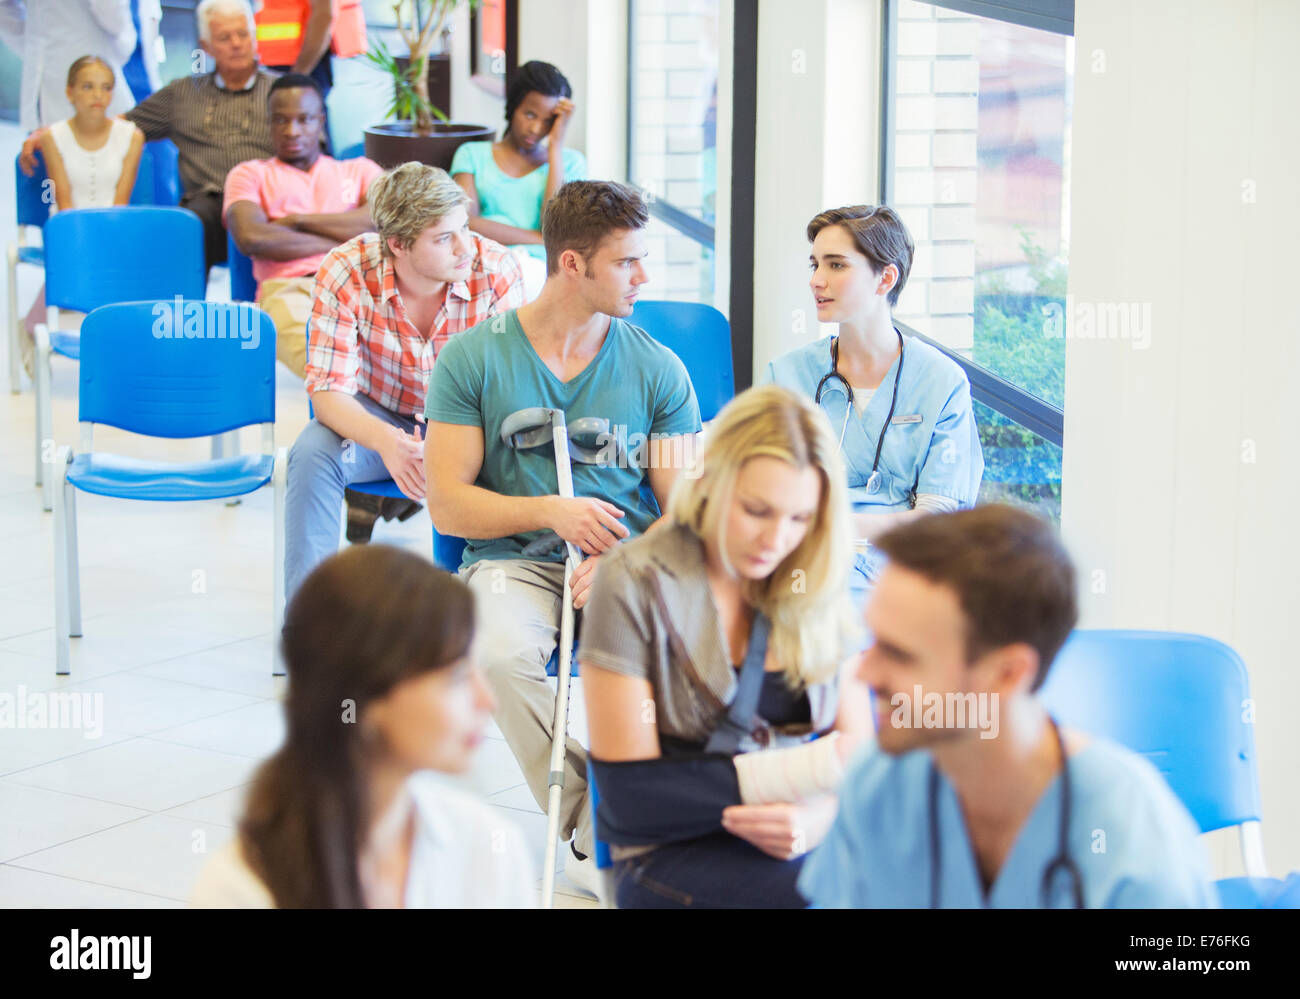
x,y
1009,569
879,234
295,81
535,77
584,212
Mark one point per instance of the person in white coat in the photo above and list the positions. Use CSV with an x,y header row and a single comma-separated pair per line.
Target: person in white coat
x,y
50,35
385,700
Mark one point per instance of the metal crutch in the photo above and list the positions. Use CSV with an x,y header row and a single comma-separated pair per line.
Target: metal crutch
x,y
522,430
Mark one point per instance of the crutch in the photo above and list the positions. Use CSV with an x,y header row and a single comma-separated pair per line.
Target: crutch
x,y
524,430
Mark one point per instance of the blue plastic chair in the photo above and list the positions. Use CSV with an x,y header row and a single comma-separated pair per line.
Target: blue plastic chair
x,y
701,336
157,182
164,161
243,286
1179,700
352,152
98,256
137,378
604,863
31,210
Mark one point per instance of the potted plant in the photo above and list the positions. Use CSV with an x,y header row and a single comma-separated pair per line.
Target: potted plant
x,y
416,135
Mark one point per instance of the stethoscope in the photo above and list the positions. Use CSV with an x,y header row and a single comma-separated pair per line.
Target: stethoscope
x,y
1061,861
873,481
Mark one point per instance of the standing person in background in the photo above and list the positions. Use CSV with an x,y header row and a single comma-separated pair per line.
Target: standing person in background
x,y
141,70
348,813
900,408
297,36
49,35
510,180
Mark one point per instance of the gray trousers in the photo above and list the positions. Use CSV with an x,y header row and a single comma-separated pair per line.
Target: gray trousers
x,y
518,606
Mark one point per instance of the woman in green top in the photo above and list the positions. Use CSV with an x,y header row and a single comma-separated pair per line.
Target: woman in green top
x,y
508,181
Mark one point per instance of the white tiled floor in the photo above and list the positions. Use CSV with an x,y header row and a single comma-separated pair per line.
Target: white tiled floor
x,y
176,603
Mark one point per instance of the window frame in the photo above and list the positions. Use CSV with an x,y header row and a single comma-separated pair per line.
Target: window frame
x,y
1016,404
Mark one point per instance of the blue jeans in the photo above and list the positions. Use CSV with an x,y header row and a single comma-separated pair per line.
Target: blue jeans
x,y
321,465
720,871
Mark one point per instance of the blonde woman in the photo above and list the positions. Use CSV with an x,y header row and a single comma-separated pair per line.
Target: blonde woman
x,y
712,650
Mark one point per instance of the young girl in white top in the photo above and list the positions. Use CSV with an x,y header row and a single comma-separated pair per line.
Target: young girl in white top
x,y
383,688
91,158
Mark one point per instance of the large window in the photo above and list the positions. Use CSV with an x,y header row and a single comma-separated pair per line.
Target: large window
x,y
977,164
673,55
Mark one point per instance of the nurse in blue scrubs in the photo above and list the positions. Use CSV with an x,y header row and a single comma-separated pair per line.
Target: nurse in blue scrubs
x,y
973,796
900,408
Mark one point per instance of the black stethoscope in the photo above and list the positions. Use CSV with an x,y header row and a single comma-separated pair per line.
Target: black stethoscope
x,y
1061,861
873,481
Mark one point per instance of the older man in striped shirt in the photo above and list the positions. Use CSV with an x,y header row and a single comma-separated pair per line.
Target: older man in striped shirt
x,y
216,119
384,305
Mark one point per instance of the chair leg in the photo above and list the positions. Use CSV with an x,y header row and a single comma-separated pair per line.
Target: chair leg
x,y
15,366
73,553
279,480
44,419
1252,850
62,651
225,445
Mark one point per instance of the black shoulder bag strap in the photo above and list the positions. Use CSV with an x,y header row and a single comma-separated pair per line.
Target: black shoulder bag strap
x,y
739,719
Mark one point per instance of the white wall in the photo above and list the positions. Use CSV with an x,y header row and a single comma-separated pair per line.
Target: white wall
x,y
1181,473
470,103
816,148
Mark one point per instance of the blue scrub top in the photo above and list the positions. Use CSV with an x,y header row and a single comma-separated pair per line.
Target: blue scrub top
x,y
938,453
932,444
1133,841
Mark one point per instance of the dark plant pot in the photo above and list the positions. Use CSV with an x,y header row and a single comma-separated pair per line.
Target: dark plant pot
x,y
395,142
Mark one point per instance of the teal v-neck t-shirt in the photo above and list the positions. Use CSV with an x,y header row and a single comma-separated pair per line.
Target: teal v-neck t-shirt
x,y
640,386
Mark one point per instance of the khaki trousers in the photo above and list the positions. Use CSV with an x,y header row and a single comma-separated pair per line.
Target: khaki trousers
x,y
288,302
518,605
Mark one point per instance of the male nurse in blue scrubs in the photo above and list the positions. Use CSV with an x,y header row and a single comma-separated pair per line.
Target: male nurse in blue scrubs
x,y
974,798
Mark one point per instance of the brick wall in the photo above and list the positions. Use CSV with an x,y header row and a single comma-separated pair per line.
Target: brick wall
x,y
935,168
675,65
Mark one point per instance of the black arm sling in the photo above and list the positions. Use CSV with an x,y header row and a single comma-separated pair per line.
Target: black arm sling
x,y
682,794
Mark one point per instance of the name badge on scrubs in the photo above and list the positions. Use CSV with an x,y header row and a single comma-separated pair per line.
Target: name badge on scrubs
x,y
913,418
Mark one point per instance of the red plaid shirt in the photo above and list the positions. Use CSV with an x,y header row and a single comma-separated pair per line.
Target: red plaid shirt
x,y
360,339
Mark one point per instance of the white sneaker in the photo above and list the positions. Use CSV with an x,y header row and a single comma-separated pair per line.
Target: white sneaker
x,y
583,874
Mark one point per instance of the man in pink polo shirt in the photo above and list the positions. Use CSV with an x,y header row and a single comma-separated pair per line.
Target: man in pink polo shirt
x,y
288,212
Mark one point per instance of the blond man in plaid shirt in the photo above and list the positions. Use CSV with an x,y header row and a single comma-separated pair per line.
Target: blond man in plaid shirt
x,y
385,303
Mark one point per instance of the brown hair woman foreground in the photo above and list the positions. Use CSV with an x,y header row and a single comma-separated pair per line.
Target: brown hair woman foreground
x,y
383,689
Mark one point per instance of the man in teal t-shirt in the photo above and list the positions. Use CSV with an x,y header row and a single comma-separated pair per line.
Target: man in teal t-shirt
x,y
567,350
